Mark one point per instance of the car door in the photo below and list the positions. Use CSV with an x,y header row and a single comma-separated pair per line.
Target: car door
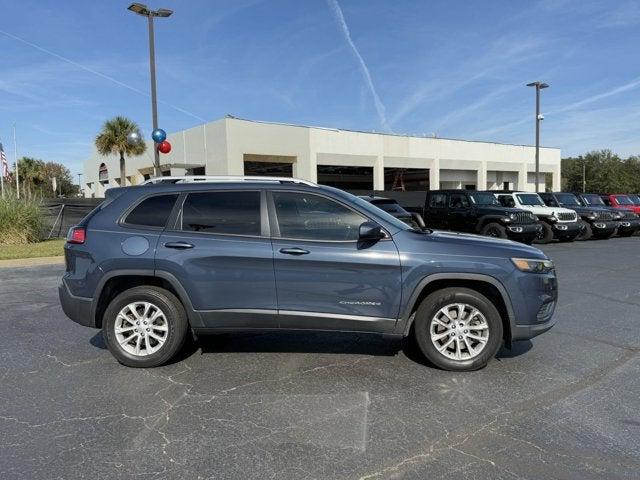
x,y
220,252
325,278
437,211
459,210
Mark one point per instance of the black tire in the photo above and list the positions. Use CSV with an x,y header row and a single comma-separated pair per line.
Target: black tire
x,y
586,232
494,230
626,233
545,235
176,319
604,236
432,304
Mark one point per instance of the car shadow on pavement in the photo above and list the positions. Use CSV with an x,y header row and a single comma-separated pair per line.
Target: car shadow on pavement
x,y
300,342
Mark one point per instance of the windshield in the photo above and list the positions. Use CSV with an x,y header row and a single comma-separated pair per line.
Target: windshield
x,y
530,199
635,199
623,200
592,199
566,199
484,199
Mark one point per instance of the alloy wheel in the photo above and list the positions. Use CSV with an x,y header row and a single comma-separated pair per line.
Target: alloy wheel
x,y
141,328
459,331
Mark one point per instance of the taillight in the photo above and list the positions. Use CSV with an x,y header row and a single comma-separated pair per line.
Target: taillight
x,y
77,235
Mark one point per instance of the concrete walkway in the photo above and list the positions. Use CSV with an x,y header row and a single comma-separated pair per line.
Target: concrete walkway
x,y
29,262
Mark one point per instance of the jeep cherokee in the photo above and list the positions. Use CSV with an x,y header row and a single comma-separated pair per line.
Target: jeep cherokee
x,y
153,262
560,223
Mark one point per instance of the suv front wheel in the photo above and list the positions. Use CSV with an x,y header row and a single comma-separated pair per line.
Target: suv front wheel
x,y
145,326
458,329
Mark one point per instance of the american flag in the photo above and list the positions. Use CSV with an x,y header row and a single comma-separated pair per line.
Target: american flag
x,y
4,166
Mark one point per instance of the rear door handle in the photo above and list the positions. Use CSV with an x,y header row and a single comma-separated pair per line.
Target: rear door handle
x,y
178,245
294,251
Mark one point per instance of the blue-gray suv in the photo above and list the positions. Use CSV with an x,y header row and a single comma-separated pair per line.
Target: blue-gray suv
x,y
154,262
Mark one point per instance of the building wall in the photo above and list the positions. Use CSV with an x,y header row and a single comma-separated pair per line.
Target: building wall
x,y
221,147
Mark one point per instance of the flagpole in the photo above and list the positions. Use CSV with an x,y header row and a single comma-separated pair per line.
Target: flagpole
x,y
15,156
2,172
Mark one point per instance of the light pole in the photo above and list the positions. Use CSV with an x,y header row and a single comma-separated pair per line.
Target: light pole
x,y
143,10
539,117
79,184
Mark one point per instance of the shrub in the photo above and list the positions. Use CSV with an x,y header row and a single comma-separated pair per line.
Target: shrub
x,y
21,220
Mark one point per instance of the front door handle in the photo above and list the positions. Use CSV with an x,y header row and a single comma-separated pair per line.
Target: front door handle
x,y
294,251
178,245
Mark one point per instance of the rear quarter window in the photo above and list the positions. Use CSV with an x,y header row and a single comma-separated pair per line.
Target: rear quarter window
x,y
152,211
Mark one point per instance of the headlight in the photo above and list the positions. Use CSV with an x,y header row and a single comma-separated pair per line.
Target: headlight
x,y
512,216
533,265
593,215
553,217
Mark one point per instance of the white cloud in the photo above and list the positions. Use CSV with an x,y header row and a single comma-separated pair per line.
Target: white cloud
x,y
380,108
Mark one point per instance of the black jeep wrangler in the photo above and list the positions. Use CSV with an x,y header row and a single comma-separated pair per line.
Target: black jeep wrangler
x,y
478,212
597,223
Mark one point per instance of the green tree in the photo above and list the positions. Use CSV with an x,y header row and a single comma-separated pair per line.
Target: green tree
x,y
113,139
604,172
31,175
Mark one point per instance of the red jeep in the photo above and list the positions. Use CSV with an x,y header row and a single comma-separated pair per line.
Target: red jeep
x,y
621,201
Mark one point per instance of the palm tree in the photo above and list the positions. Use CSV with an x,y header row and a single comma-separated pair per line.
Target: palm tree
x,y
113,139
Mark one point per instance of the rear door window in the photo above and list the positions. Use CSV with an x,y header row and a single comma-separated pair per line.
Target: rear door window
x,y
222,212
152,211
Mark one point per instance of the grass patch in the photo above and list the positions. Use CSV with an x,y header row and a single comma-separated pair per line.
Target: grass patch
x,y
47,248
21,220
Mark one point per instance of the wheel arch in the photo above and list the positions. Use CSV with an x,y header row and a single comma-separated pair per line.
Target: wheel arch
x,y
117,281
488,286
486,219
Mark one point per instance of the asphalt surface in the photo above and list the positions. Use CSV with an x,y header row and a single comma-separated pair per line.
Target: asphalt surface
x,y
325,406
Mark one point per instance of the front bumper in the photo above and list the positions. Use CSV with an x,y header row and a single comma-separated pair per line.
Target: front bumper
x,y
603,229
564,230
629,227
77,309
534,304
527,230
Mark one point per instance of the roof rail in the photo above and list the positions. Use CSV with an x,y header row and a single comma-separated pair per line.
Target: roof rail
x,y
223,179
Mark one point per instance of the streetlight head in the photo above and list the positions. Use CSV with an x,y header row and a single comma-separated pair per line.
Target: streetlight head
x,y
163,12
139,8
544,85
532,84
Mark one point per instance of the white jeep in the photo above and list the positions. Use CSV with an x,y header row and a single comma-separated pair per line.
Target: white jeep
x,y
557,222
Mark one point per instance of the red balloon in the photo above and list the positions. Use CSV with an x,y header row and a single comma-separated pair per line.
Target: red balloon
x,y
164,147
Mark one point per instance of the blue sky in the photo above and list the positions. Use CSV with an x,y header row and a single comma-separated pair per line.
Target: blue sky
x,y
456,69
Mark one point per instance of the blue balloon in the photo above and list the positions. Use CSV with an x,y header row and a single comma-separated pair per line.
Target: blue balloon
x,y
159,135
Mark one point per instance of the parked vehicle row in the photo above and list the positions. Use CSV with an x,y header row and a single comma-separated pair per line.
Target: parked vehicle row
x,y
529,217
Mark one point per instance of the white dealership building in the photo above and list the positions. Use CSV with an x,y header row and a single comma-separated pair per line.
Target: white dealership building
x,y
342,158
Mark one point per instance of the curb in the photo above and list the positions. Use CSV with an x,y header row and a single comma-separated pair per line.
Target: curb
x,y
31,262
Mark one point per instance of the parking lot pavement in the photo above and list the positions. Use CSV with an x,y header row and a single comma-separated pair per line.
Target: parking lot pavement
x,y
256,406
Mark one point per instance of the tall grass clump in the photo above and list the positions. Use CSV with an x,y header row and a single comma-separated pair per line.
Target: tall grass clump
x,y
21,220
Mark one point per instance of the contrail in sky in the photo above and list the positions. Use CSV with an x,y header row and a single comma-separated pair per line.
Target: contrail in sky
x,y
337,12
95,72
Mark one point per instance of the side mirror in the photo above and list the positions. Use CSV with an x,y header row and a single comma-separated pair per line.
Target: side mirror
x,y
370,232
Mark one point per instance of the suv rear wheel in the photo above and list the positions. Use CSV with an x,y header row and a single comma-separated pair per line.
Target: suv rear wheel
x,y
145,326
458,329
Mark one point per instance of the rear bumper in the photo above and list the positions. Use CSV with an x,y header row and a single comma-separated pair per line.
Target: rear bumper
x,y
77,309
